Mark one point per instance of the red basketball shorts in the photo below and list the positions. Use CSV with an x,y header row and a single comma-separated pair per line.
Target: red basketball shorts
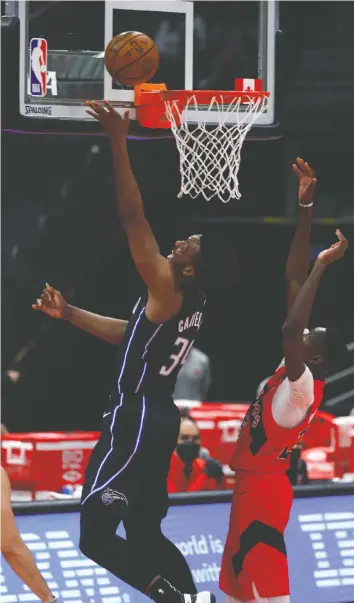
x,y
255,550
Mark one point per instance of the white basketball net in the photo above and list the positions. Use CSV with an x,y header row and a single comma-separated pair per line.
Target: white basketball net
x,y
210,159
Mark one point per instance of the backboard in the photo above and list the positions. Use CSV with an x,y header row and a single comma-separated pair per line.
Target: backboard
x,y
203,45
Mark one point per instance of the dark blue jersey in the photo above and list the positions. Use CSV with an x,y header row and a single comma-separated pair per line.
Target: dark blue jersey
x,y
151,355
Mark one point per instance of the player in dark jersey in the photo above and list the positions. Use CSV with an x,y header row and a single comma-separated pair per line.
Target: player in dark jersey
x,y
127,473
254,565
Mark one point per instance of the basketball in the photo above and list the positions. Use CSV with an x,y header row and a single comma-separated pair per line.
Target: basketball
x,y
131,58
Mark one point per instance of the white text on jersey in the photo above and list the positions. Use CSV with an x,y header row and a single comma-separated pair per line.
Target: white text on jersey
x,y
191,321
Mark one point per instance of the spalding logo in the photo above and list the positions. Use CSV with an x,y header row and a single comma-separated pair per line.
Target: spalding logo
x,y
29,110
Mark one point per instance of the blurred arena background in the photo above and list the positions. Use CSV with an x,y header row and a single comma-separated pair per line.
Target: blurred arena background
x,y
59,224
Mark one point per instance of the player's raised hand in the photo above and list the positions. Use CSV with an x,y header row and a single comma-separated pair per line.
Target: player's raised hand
x,y
335,252
51,302
109,118
307,181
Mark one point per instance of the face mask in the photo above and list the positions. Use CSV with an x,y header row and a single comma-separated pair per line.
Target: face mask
x,y
188,451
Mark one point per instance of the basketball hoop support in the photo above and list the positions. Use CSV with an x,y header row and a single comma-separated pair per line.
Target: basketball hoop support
x,y
209,157
150,101
150,108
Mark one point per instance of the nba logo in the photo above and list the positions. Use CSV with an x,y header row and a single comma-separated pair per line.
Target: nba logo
x,y
38,67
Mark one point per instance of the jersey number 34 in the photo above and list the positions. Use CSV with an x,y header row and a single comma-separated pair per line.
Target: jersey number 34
x,y
183,347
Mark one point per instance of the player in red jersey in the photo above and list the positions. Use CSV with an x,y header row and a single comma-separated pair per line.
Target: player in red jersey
x,y
254,565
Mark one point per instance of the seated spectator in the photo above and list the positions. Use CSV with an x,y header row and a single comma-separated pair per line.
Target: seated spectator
x,y
192,469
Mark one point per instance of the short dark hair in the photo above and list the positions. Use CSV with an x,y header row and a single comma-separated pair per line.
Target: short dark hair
x,y
187,417
338,357
218,262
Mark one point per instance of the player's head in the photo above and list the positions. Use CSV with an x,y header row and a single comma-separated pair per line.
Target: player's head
x,y
325,351
207,260
184,257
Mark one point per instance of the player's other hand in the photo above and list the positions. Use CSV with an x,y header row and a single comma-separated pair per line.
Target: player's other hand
x,y
335,252
109,118
307,181
51,302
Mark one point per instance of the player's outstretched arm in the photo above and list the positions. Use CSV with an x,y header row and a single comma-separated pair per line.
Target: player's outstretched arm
x,y
154,269
299,314
298,264
14,549
52,302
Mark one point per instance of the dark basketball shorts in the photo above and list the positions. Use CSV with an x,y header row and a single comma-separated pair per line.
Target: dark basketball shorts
x,y
255,552
130,463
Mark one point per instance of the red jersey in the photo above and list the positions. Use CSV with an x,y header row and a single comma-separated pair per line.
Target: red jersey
x,y
195,482
263,446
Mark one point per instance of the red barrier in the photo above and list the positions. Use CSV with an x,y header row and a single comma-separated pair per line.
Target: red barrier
x,y
46,461
345,427
352,452
329,447
39,462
